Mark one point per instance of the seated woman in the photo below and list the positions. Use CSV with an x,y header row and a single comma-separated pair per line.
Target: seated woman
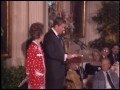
x,y
72,79
92,67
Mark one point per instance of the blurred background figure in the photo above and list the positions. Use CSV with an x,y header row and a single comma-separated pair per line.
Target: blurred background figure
x,y
114,55
72,79
106,78
105,52
92,67
81,72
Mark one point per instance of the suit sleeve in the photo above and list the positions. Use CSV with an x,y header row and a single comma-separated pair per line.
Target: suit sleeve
x,y
95,82
116,79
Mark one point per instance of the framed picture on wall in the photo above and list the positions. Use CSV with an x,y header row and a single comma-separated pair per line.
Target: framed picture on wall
x,y
78,8
6,29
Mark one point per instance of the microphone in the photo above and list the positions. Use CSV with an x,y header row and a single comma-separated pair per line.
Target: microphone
x,y
76,41
81,44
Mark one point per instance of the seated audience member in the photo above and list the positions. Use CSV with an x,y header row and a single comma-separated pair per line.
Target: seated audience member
x,y
114,55
92,67
104,52
81,72
106,78
72,79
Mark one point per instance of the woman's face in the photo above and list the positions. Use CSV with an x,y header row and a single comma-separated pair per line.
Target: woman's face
x,y
73,66
105,51
41,38
96,56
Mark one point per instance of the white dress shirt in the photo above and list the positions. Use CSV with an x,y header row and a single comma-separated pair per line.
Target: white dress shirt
x,y
106,80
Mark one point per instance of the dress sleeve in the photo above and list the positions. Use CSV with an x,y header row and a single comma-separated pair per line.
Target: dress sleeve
x,y
35,63
29,61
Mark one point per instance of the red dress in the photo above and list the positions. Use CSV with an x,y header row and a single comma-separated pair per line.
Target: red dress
x,y
35,67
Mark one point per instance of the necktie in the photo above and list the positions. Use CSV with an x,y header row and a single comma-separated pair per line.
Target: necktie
x,y
110,81
60,39
116,58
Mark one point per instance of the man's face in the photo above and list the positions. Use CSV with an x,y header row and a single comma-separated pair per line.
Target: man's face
x,y
60,28
105,65
115,50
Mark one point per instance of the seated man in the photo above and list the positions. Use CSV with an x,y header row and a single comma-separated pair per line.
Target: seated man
x,y
106,78
83,76
114,55
72,79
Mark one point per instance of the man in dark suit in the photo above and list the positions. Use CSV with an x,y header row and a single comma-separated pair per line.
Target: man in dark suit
x,y
106,78
55,56
114,55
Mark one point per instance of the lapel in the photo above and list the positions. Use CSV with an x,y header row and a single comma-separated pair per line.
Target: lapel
x,y
55,38
52,33
112,76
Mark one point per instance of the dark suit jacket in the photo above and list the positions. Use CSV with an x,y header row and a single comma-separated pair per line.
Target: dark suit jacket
x,y
99,80
54,60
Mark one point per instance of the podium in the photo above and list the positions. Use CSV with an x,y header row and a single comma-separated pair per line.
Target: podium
x,y
75,60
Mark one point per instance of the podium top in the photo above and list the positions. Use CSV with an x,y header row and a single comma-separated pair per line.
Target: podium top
x,y
74,60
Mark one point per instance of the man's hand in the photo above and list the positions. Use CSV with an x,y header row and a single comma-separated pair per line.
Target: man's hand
x,y
69,56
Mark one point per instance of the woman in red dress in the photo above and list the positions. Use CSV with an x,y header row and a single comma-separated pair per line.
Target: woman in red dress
x,y
35,66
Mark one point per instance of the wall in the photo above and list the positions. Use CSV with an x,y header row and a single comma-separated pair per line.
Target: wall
x,y
19,32
91,9
90,27
24,13
66,6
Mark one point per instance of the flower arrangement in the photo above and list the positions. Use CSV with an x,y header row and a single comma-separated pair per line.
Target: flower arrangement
x,y
69,24
68,33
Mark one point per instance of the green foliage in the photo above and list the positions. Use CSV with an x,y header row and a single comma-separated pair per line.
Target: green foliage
x,y
107,20
11,77
99,43
108,17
